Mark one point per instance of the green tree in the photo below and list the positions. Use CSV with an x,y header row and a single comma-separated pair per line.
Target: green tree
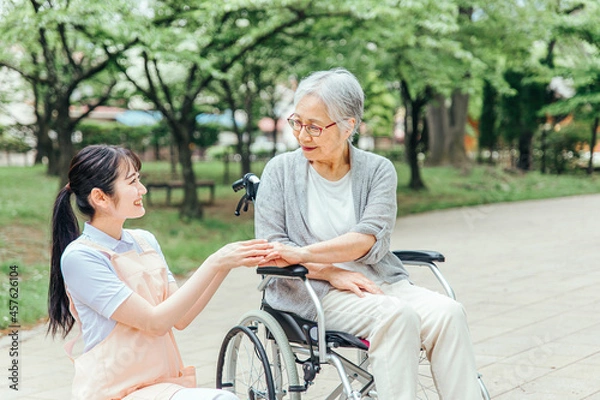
x,y
52,48
414,57
579,63
184,48
529,77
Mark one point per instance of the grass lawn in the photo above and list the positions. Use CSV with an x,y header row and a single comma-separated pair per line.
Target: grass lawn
x,y
27,196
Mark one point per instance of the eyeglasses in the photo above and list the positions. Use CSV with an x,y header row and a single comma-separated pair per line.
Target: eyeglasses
x,y
312,129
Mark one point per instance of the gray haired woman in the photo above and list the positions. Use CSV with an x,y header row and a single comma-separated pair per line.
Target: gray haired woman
x,y
332,207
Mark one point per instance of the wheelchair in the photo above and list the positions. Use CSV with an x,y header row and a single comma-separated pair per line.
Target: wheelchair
x,y
275,355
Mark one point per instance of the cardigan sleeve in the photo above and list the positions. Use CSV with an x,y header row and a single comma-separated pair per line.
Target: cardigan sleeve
x,y
269,210
377,209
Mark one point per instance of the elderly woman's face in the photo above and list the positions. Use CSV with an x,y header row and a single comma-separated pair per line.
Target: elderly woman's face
x,y
331,143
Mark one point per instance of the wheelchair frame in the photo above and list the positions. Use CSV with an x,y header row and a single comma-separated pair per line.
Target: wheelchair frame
x,y
259,356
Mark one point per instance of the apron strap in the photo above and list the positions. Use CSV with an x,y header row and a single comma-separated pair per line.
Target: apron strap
x,y
71,343
96,246
139,239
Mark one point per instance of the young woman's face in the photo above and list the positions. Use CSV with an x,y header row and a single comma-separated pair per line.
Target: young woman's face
x,y
128,192
331,143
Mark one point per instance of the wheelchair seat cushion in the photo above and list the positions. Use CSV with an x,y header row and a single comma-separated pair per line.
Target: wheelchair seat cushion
x,y
294,326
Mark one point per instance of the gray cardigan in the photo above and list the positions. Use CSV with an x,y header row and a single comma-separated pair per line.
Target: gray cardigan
x,y
280,215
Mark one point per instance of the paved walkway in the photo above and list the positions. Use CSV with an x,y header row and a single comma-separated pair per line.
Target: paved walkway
x,y
526,272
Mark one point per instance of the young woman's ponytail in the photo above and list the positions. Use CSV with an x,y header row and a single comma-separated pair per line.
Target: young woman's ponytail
x,y
65,229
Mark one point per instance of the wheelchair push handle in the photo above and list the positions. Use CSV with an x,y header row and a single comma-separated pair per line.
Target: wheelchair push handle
x,y
250,183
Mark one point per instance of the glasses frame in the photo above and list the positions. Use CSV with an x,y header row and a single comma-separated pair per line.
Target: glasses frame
x,y
292,121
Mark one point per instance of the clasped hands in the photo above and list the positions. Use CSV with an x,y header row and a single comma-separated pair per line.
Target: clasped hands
x,y
283,255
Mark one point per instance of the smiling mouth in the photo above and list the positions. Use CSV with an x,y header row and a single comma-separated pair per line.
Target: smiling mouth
x,y
138,202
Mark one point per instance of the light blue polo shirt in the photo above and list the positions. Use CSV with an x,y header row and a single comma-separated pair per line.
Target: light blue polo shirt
x,y
91,280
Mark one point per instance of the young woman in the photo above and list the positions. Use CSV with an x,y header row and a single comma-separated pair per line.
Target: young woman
x,y
115,285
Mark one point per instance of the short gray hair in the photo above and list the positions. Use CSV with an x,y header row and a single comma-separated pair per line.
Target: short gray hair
x,y
340,91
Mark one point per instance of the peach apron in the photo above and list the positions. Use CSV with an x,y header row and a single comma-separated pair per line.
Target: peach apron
x,y
130,363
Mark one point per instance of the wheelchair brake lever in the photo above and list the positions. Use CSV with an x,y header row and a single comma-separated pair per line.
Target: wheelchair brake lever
x,y
311,366
243,200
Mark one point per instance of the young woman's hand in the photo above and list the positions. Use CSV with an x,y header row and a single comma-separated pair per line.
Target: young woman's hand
x,y
283,255
247,253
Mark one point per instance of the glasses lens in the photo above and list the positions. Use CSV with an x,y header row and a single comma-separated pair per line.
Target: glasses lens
x,y
313,130
295,124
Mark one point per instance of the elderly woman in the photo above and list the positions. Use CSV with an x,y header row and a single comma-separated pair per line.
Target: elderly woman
x,y
332,207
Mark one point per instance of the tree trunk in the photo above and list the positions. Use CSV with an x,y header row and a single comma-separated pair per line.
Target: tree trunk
x,y
244,150
590,169
66,149
447,130
274,136
413,112
439,126
416,182
191,207
245,145
172,158
524,161
458,118
487,122
44,143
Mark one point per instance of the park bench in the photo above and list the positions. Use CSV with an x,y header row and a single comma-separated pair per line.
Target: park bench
x,y
169,186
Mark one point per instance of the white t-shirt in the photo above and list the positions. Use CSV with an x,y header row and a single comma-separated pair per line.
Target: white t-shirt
x,y
330,205
91,280
331,213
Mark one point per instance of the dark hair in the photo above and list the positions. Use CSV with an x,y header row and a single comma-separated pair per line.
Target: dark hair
x,y
94,166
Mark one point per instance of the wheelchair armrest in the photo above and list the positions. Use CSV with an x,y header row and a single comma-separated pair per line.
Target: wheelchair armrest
x,y
297,271
425,256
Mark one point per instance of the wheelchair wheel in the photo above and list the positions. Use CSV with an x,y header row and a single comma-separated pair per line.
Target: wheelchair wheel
x,y
258,363
243,367
426,389
279,353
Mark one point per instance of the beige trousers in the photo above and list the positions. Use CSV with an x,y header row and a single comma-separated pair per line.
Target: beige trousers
x,y
397,324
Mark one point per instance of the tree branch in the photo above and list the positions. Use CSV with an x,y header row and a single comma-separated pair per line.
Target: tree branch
x,y
83,75
190,95
259,40
66,48
163,87
92,107
19,71
35,5
48,57
151,92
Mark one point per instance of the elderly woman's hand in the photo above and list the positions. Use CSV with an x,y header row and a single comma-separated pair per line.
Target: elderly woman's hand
x,y
283,255
351,281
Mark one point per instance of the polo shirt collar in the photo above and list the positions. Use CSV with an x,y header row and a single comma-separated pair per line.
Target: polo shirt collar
x,y
104,240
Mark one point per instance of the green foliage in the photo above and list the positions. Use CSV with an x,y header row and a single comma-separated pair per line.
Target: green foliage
x,y
13,144
134,137
206,135
563,147
33,292
220,152
395,154
380,106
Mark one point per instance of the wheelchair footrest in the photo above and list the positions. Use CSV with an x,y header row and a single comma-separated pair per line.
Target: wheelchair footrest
x,y
292,325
